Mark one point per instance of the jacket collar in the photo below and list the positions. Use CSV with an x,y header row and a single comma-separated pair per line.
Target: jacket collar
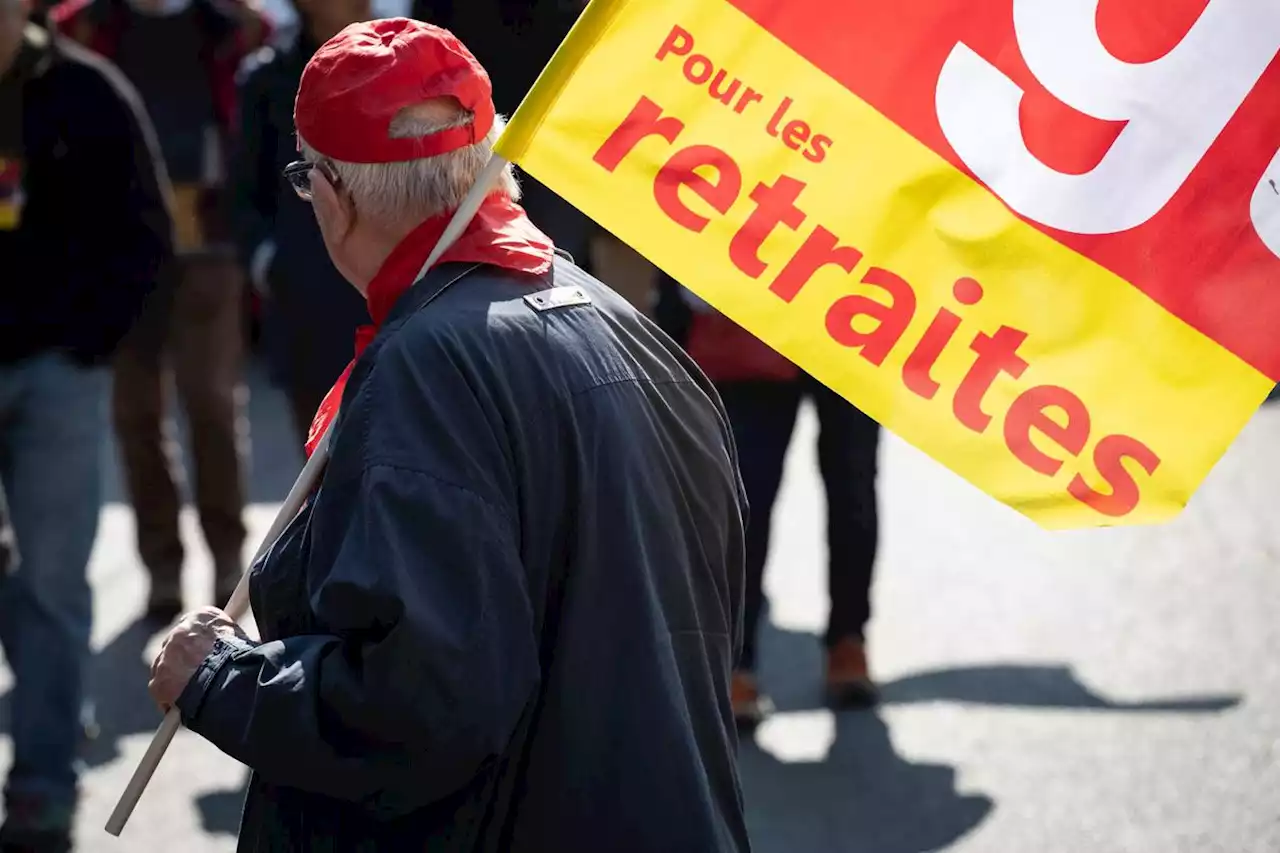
x,y
500,234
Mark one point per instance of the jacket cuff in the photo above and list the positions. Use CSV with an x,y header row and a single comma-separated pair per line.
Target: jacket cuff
x,y
225,650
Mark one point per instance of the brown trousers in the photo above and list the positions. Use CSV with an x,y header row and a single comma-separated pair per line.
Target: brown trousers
x,y
194,329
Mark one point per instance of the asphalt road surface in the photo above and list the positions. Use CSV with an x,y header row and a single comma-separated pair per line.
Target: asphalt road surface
x,y
1089,692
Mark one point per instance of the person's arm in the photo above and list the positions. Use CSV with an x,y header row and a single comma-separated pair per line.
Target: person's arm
x,y
254,178
120,231
430,661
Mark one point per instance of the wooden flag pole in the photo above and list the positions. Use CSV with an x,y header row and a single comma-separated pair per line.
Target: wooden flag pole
x,y
238,605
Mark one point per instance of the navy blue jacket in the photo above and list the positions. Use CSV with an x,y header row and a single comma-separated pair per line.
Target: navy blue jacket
x,y
507,619
95,227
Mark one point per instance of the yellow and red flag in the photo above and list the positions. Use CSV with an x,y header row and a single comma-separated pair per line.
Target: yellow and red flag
x,y
1038,239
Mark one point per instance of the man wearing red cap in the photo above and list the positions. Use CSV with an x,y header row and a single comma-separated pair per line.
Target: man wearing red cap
x,y
507,618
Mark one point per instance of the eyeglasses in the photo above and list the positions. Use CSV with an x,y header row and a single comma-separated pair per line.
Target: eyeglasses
x,y
298,174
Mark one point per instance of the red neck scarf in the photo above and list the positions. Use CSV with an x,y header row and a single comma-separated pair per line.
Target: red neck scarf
x,y
500,234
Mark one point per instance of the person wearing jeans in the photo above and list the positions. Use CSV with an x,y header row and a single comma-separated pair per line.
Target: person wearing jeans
x,y
84,230
762,393
52,431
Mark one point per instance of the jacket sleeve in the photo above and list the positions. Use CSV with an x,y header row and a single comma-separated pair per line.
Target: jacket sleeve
x,y
431,663
123,228
254,179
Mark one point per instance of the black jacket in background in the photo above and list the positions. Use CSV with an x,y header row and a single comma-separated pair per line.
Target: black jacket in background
x,y
95,227
513,39
506,621
311,312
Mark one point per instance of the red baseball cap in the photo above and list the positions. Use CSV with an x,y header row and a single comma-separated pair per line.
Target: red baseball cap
x,y
360,79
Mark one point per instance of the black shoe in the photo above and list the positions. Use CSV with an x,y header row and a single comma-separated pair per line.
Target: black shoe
x,y
35,825
35,840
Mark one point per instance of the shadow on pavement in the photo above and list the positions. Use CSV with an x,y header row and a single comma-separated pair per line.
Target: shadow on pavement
x,y
859,795
220,810
116,692
1029,686
862,797
117,688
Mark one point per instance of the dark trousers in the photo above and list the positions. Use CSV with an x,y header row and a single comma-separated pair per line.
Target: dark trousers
x,y
763,415
196,327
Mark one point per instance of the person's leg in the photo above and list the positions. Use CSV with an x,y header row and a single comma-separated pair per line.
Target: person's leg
x,y
51,469
848,444
149,450
762,416
208,348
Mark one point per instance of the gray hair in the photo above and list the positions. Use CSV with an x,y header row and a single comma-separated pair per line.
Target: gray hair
x,y
413,190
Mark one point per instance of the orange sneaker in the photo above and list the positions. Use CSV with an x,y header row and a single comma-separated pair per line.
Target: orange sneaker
x,y
750,706
849,682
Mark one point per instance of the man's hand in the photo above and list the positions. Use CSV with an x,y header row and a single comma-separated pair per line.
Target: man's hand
x,y
186,647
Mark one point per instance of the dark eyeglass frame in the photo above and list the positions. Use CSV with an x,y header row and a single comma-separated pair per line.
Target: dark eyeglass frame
x,y
298,174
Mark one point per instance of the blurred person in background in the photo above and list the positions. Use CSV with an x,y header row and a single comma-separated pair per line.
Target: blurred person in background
x,y
514,40
310,311
84,232
762,392
507,618
182,56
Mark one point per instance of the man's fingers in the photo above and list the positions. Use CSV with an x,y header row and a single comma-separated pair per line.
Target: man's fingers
x,y
182,651
153,688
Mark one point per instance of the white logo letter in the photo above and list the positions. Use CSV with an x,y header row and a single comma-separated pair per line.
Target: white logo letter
x,y
1174,107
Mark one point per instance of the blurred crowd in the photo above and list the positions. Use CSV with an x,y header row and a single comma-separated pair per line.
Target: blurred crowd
x,y
190,145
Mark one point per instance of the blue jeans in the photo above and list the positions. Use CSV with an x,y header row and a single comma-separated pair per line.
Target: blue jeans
x,y
53,423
